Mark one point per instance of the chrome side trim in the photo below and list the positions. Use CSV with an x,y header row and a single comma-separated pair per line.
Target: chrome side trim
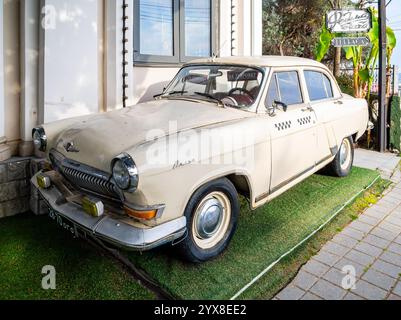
x,y
324,160
283,184
112,230
262,197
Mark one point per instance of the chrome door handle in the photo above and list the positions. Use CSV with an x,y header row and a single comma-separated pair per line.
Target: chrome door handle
x,y
310,109
339,102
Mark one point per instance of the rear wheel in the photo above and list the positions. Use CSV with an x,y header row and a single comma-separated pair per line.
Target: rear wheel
x,y
212,215
342,163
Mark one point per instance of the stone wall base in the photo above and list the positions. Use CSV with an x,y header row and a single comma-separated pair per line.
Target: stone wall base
x,y
5,152
16,193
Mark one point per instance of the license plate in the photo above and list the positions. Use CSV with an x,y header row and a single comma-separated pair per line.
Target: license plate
x,y
63,223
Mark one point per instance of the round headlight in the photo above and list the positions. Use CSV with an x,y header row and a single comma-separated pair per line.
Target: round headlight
x,y
39,139
125,173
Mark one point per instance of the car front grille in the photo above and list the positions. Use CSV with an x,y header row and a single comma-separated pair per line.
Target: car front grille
x,y
85,177
89,182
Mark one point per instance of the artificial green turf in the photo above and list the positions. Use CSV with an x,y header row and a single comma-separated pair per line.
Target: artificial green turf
x,y
285,271
262,237
27,243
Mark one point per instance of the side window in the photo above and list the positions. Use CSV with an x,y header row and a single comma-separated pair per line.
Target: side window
x,y
289,87
319,86
272,94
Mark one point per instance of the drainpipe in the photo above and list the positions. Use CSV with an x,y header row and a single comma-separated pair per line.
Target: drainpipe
x,y
125,53
233,33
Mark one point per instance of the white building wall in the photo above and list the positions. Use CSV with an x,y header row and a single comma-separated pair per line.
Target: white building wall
x,y
70,63
149,81
63,58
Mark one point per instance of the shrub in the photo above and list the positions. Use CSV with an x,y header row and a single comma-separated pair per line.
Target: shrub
x,y
345,82
395,123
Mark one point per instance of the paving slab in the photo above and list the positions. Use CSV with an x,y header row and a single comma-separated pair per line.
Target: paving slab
x,y
369,291
397,289
366,255
387,268
328,291
305,280
379,279
291,293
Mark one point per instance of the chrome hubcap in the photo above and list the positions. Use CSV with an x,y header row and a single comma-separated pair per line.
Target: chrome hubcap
x,y
209,219
345,152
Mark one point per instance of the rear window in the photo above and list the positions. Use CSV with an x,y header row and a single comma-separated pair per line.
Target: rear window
x,y
319,86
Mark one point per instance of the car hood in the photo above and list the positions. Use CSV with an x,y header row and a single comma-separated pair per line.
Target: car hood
x,y
98,139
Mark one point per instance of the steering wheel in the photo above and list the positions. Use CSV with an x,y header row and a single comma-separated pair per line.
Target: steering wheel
x,y
242,90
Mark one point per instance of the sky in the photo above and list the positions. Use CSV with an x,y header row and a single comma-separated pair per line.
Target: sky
x,y
394,21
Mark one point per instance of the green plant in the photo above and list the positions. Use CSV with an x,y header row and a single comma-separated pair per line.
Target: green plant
x,y
324,44
345,81
364,62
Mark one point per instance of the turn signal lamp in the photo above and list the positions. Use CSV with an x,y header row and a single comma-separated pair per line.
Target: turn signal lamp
x,y
142,215
43,181
93,207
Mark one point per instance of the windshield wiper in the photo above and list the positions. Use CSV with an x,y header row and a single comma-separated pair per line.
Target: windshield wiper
x,y
209,96
170,93
176,92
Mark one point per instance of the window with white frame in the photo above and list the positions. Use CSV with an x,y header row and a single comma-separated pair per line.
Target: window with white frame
x,y
172,31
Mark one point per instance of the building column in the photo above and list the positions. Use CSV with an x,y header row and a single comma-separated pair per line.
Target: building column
x,y
242,28
114,57
5,151
257,27
29,25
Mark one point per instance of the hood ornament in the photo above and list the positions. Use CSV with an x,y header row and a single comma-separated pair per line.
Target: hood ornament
x,y
69,147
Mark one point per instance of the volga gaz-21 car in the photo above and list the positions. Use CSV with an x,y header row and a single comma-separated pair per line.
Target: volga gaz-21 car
x,y
170,170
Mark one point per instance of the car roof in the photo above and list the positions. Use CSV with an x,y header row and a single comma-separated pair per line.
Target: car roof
x,y
262,61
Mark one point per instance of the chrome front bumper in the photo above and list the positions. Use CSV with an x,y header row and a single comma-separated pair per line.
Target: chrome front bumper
x,y
112,230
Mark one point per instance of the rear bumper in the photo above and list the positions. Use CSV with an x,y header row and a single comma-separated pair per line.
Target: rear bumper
x,y
111,230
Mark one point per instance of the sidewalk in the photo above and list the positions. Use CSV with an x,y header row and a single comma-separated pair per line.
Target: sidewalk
x,y
369,247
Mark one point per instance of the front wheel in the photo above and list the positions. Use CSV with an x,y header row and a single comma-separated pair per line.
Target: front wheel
x,y
212,215
342,163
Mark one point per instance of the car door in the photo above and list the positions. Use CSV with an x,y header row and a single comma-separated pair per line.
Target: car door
x,y
293,130
325,106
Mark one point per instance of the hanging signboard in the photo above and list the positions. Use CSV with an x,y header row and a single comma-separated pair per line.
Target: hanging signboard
x,y
350,42
349,21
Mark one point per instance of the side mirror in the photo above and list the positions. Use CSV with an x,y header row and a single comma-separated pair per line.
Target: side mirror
x,y
271,110
282,104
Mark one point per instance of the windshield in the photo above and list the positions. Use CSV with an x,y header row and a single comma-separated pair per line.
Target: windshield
x,y
232,86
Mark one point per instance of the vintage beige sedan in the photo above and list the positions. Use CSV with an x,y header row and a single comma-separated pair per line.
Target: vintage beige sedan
x,y
171,170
